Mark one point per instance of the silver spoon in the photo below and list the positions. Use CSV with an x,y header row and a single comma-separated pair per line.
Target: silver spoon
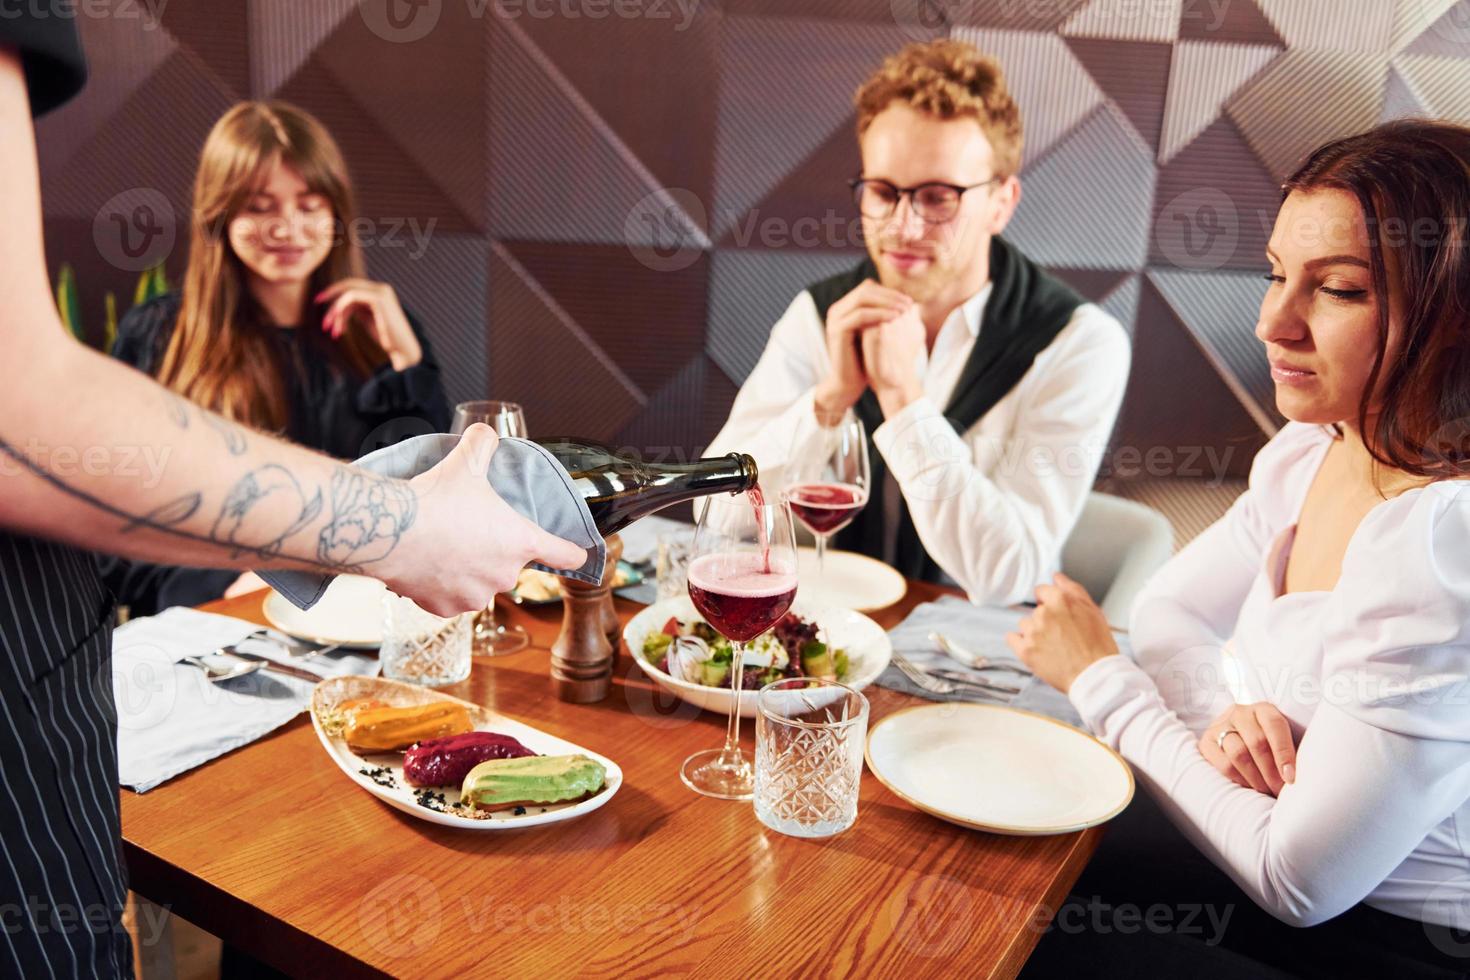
x,y
218,675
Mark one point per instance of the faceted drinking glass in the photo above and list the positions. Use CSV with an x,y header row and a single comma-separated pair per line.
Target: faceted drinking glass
x,y
422,648
809,737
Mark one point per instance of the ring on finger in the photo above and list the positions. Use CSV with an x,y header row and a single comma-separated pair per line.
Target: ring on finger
x,y
1220,738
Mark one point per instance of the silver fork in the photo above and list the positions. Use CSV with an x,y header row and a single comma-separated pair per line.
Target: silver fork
x,y
939,685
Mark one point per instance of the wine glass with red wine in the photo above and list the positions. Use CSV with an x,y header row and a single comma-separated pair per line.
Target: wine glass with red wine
x,y
742,579
830,487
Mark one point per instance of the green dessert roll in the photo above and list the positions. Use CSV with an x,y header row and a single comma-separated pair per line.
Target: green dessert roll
x,y
534,780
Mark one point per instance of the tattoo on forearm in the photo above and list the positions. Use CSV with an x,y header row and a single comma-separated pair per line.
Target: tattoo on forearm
x,y
369,517
233,434
174,512
245,527
177,408
370,514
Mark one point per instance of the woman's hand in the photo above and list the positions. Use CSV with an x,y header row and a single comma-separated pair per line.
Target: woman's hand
x,y
1257,752
384,314
1066,634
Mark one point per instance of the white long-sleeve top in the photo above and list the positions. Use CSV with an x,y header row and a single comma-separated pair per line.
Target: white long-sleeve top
x,y
1373,675
994,506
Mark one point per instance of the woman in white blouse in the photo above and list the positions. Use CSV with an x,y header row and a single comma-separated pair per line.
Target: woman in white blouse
x,y
1300,700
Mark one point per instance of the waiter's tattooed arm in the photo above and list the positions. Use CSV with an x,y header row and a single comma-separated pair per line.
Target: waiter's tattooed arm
x,y
97,455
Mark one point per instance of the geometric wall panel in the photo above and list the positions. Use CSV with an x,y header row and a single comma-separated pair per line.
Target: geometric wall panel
x,y
557,171
120,58
404,97
542,359
1283,123
579,278
1053,90
1098,184
1363,27
1122,303
749,290
1134,74
1203,78
673,55
442,280
1448,36
763,131
1400,100
1443,84
1236,22
1221,309
283,35
1215,204
1126,22
1177,404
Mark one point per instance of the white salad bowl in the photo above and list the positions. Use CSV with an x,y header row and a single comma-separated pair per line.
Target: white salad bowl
x,y
867,646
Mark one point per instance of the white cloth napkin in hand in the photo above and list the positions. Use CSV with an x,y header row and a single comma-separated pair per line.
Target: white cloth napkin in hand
x,y
170,718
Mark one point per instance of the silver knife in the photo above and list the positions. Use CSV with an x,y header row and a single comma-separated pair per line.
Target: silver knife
x,y
959,677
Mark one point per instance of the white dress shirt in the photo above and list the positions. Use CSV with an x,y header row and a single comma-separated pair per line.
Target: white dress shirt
x,y
1374,677
994,506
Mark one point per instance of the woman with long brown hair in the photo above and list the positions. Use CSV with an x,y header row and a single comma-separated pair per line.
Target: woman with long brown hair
x,y
276,326
1299,698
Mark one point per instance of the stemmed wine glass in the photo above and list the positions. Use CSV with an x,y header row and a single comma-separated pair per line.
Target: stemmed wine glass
x,y
492,638
742,579
830,486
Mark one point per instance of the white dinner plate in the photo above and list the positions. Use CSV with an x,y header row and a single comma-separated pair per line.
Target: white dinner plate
x,y
999,769
350,613
867,645
848,580
389,784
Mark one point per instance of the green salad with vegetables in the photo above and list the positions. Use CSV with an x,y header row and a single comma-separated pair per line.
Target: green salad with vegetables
x,y
692,651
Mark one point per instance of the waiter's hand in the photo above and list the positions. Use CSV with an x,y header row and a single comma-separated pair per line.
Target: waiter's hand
x,y
868,306
466,544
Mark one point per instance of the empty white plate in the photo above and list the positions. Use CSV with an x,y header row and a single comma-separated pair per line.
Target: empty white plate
x,y
998,769
350,613
848,580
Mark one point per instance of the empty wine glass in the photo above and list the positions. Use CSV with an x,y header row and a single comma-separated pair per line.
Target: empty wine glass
x,y
742,579
830,486
492,638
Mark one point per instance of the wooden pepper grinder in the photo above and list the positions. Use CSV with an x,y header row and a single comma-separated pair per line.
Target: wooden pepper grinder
x,y
582,656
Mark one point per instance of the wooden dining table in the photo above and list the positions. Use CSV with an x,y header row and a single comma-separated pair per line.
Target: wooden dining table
x,y
271,848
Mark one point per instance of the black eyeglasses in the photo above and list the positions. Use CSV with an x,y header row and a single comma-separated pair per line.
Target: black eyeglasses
x,y
935,202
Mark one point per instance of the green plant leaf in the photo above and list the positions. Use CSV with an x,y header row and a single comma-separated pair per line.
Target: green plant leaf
x,y
109,325
68,304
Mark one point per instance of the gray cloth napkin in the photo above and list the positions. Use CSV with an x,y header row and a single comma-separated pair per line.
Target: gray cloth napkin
x,y
981,629
526,477
170,718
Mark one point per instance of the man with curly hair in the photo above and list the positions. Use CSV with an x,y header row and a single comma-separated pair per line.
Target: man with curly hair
x,y
988,387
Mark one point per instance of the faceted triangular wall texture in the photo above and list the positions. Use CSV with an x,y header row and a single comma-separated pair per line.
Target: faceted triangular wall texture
x,y
600,209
